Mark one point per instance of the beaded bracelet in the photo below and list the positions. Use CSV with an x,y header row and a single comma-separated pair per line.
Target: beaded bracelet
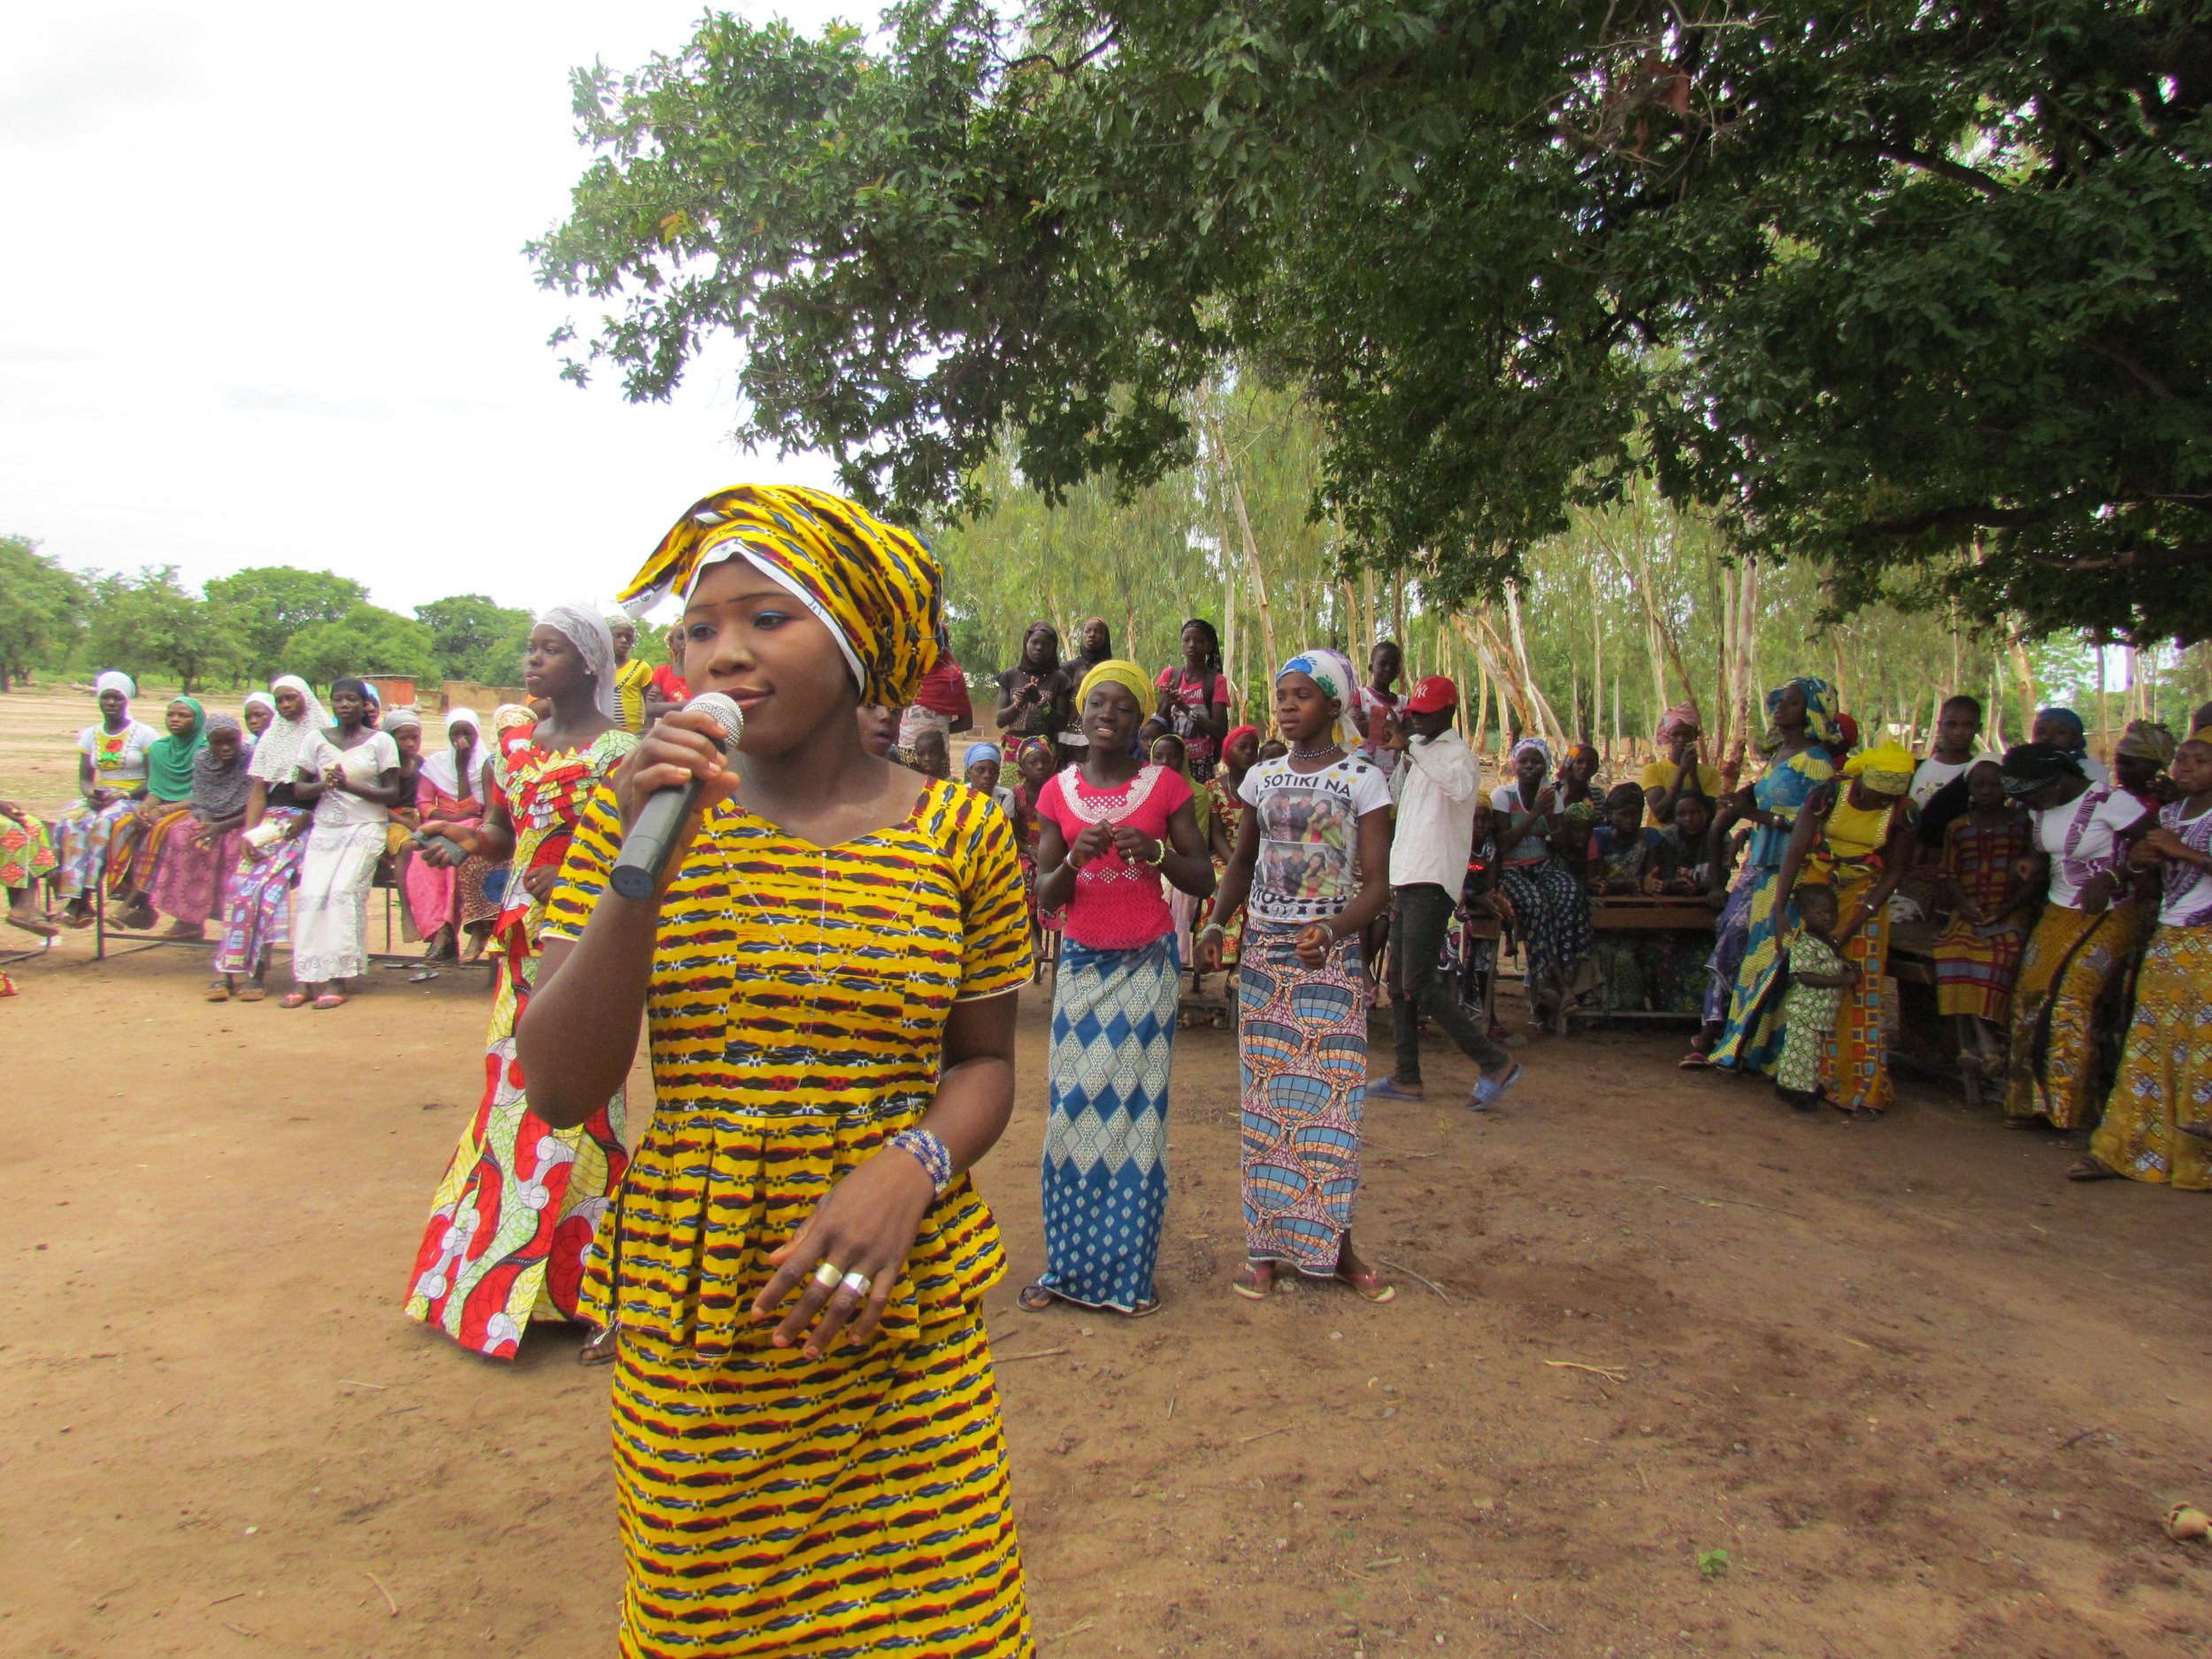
x,y
930,1153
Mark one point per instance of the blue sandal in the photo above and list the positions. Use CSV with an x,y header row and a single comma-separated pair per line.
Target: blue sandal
x,y
1487,1094
1386,1088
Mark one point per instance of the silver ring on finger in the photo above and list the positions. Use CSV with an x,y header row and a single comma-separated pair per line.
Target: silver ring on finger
x,y
856,1283
827,1275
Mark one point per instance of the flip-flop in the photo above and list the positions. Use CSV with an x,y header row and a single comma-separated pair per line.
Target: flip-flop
x,y
1693,1061
1259,1289
2092,1169
1487,1094
294,999
219,992
252,994
1386,1088
331,998
37,926
1375,1288
1034,1297
1145,1309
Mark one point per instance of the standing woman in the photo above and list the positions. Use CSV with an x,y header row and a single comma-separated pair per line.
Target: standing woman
x,y
1856,837
111,780
1801,721
192,878
165,809
807,1452
1978,953
513,1219
1313,859
2156,1118
352,777
1094,645
1551,908
256,918
1031,692
1193,698
2090,925
633,680
445,901
1111,829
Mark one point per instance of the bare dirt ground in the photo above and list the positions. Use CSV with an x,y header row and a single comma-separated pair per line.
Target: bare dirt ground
x,y
1927,1397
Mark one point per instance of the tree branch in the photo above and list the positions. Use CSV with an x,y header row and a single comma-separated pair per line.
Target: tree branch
x,y
1942,166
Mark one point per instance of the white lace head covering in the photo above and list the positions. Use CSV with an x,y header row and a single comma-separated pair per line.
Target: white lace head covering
x,y
115,680
586,631
276,757
440,768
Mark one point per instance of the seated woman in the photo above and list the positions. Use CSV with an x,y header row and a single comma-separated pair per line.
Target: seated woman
x,y
192,877
166,809
1626,859
26,859
1551,911
445,901
111,781
256,915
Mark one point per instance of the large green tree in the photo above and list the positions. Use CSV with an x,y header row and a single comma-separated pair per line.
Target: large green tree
x,y
476,639
42,608
366,640
1907,290
152,622
275,601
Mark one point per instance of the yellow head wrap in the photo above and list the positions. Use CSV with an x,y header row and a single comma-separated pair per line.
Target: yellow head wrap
x,y
1885,771
876,586
1115,671
2202,735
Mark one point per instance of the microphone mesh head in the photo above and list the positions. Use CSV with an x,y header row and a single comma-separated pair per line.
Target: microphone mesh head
x,y
726,714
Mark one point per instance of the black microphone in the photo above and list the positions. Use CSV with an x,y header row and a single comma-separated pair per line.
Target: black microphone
x,y
644,858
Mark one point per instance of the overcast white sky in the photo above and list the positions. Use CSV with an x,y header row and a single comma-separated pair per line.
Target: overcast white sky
x,y
264,299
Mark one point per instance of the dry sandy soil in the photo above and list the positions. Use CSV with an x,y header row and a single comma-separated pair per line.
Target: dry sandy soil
x,y
1927,1397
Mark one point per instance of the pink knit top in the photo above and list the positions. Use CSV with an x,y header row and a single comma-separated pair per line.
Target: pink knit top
x,y
1117,905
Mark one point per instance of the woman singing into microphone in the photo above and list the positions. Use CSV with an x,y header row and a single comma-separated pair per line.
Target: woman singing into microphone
x,y
807,1452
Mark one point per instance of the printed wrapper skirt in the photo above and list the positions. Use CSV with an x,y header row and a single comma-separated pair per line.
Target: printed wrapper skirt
x,y
1853,1059
514,1216
1752,1039
82,837
853,1507
2166,1073
192,882
1974,968
1551,916
257,917
2072,956
1302,1047
26,853
138,849
1105,1157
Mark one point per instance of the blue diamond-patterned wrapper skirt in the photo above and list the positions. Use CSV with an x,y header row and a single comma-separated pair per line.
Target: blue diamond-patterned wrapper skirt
x,y
1105,1165
1301,1040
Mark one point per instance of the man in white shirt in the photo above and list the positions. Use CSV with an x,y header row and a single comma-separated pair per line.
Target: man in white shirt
x,y
1439,786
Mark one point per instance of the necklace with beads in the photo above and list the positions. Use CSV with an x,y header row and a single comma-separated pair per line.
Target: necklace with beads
x,y
1314,754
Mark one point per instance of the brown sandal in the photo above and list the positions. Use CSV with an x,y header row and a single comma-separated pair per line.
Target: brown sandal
x,y
1254,1281
1368,1283
2092,1169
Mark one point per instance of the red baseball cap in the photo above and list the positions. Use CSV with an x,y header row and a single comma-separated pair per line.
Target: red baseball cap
x,y
1436,692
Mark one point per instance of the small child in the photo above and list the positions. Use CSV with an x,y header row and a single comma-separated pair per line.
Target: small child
x,y
1818,978
980,765
932,755
1689,857
1274,749
1623,855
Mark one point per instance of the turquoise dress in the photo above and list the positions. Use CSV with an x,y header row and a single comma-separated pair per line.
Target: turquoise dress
x,y
1752,1039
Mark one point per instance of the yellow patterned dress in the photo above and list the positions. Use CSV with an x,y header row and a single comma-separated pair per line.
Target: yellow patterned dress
x,y
770,1504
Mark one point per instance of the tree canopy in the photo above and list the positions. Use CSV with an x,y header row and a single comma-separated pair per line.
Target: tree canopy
x,y
275,602
1904,291
475,639
41,607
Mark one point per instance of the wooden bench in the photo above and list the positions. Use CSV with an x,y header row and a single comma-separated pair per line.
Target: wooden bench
x,y
1637,912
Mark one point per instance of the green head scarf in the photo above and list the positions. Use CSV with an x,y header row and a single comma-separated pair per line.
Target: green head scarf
x,y
169,758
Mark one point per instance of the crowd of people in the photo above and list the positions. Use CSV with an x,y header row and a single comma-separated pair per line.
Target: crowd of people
x,y
826,983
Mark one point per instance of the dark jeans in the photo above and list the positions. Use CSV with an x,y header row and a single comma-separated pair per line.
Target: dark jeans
x,y
1419,916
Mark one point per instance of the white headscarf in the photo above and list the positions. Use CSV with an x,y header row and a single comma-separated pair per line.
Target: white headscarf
x,y
440,768
115,680
400,718
276,757
263,698
586,631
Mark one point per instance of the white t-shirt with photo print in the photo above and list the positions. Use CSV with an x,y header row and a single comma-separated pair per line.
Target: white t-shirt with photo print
x,y
1308,821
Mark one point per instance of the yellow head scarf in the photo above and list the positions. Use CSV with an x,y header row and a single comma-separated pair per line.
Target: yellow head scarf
x,y
876,586
1116,672
1885,771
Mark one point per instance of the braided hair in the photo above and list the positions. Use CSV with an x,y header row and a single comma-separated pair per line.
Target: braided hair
x,y
1213,641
